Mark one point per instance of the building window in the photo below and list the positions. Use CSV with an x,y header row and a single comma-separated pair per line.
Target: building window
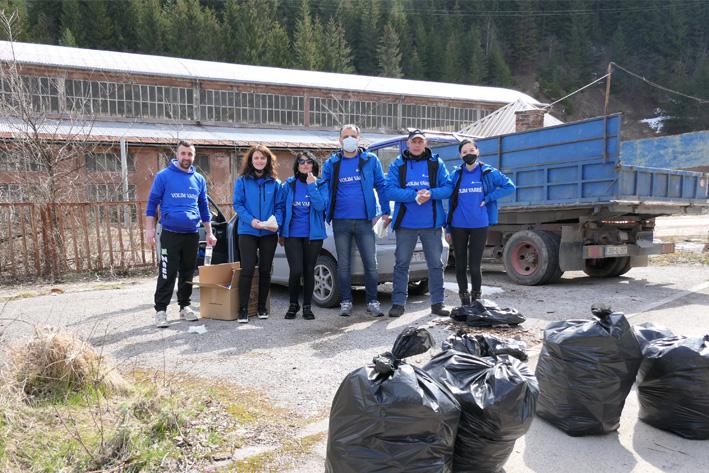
x,y
249,107
10,193
42,92
19,163
107,162
115,99
111,192
436,117
332,113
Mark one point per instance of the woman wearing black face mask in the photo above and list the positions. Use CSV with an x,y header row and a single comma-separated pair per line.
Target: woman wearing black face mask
x,y
303,230
473,208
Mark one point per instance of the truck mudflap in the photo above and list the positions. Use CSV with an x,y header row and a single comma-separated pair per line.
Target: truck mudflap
x,y
616,251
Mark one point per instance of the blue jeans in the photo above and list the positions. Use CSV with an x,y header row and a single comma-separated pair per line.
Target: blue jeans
x,y
432,250
346,230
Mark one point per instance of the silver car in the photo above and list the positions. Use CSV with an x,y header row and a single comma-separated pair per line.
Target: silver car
x,y
327,291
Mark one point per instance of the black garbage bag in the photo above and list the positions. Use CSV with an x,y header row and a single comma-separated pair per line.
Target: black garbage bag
x,y
486,313
673,386
585,371
497,395
649,331
485,345
392,416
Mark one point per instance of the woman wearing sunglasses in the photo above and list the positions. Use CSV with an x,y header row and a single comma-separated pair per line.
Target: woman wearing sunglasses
x,y
303,230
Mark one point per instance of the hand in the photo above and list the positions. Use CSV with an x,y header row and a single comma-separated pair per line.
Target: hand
x,y
150,236
482,204
423,196
387,220
256,223
211,240
281,241
310,179
449,238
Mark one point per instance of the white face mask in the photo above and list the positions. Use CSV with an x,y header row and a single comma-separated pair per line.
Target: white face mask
x,y
349,144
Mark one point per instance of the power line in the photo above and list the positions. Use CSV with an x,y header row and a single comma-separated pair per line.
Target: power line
x,y
661,87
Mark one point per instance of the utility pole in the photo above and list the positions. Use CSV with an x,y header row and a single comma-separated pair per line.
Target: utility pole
x,y
608,88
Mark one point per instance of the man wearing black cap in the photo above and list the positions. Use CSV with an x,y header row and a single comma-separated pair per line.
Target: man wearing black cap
x,y
418,182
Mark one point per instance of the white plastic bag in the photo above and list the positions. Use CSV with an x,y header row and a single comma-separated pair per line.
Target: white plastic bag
x,y
380,228
270,224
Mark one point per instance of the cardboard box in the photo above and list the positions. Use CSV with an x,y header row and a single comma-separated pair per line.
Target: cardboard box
x,y
219,292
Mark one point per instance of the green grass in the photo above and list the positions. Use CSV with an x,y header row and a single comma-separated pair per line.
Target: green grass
x,y
161,425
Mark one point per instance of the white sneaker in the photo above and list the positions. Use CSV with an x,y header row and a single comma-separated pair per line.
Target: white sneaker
x,y
186,313
161,319
375,309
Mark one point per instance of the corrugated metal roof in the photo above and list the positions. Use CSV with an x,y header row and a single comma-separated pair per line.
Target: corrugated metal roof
x,y
149,133
118,62
502,120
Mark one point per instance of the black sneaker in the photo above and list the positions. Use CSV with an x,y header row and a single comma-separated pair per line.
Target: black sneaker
x,y
308,313
243,315
396,310
440,309
475,295
464,298
293,309
262,312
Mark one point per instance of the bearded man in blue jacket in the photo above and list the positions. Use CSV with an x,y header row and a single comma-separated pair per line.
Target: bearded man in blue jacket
x,y
181,194
352,175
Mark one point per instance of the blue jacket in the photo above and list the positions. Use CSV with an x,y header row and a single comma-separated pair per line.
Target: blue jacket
x,y
372,178
254,201
495,186
318,204
182,197
397,191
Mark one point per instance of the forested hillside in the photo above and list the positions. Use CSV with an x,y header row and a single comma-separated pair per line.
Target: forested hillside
x,y
547,48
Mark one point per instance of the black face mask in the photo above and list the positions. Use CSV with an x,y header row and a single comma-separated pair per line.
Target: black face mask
x,y
470,158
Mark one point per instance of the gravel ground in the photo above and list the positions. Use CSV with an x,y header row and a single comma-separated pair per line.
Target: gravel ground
x,y
301,363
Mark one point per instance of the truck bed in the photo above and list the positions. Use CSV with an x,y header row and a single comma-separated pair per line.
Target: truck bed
x,y
576,167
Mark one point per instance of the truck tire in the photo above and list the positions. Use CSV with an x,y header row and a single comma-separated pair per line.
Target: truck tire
x,y
606,267
556,244
326,292
625,267
531,257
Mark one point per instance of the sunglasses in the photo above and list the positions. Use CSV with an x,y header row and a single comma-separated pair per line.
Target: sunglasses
x,y
305,161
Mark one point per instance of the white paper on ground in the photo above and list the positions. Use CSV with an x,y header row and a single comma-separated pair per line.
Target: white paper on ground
x,y
199,329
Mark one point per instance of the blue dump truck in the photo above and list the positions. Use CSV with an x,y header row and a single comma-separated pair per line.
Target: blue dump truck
x,y
577,206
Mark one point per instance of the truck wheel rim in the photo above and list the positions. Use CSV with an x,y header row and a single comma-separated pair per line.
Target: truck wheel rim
x,y
525,258
324,282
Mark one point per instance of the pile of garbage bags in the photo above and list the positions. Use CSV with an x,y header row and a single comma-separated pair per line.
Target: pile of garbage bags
x,y
585,371
497,393
392,416
673,382
486,313
461,413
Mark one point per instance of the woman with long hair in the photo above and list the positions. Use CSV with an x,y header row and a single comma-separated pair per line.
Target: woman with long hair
x,y
303,230
472,209
256,199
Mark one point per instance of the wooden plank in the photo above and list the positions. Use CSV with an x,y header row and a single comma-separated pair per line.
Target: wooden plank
x,y
35,240
87,244
97,215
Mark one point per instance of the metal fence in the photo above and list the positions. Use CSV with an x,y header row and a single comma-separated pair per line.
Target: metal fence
x,y
50,240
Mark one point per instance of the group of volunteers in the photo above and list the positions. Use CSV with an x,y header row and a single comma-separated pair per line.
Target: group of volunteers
x,y
351,193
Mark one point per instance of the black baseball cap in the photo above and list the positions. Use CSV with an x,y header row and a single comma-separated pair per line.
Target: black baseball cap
x,y
416,134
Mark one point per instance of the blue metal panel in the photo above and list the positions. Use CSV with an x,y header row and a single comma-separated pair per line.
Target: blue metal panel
x,y
687,150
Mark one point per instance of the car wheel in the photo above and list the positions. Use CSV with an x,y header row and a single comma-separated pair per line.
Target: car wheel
x,y
326,292
418,288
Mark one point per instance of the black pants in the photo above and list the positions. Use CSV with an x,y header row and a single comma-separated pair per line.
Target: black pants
x,y
255,249
178,257
468,244
302,253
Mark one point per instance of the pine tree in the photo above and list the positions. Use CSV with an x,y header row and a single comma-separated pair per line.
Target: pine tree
x,y
279,47
524,32
97,25
18,9
67,38
475,63
365,36
71,21
124,16
498,73
306,40
337,54
388,53
152,27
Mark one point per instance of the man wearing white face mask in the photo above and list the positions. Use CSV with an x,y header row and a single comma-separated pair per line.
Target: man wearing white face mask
x,y
352,174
